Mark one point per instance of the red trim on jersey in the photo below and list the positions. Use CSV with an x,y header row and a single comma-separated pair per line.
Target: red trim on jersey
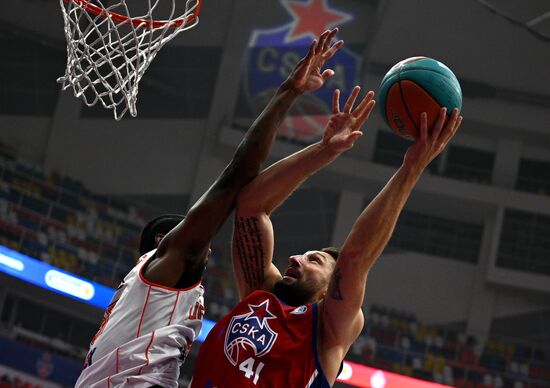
x,y
143,311
147,352
174,309
151,284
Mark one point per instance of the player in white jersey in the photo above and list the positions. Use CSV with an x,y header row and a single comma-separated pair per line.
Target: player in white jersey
x,y
151,335
156,312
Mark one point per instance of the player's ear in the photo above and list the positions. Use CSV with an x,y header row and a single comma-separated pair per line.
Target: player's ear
x,y
327,285
158,238
324,292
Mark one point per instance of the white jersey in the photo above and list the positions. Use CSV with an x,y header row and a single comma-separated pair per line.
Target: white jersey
x,y
146,333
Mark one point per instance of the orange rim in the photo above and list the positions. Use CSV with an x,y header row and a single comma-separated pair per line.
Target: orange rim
x,y
137,22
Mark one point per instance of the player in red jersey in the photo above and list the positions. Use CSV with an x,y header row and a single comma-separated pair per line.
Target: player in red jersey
x,y
293,330
157,311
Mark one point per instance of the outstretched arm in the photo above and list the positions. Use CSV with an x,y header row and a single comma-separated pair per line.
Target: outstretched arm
x,y
181,255
341,315
253,232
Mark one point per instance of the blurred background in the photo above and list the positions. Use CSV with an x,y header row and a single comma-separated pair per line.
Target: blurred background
x,y
461,296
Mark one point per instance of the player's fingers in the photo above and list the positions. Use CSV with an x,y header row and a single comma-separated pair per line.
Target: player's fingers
x,y
318,45
363,104
353,137
332,50
453,130
423,126
451,124
458,122
351,99
366,113
439,123
304,63
336,101
308,56
327,74
330,37
322,41
311,51
447,132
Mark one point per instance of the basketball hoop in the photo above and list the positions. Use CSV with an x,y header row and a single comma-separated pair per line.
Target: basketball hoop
x,y
108,50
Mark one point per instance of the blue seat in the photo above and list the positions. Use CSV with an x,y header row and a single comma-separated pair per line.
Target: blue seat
x,y
28,222
32,248
23,169
417,346
14,196
105,217
71,185
35,204
59,214
71,201
49,193
89,270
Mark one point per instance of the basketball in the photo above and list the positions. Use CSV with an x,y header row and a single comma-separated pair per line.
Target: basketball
x,y
417,85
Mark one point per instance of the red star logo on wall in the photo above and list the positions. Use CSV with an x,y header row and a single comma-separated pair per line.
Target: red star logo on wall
x,y
312,18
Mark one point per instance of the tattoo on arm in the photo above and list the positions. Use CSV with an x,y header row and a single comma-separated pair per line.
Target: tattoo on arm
x,y
250,250
335,292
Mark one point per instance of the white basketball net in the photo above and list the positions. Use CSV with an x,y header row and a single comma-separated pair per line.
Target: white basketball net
x,y
108,51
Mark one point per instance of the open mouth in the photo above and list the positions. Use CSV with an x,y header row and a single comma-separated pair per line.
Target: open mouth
x,y
292,272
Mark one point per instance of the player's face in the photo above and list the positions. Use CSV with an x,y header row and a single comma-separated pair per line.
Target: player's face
x,y
306,278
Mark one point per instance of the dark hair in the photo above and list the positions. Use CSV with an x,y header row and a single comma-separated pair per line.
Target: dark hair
x,y
333,251
159,225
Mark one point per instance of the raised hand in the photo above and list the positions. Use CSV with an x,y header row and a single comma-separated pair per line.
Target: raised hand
x,y
430,144
307,75
344,127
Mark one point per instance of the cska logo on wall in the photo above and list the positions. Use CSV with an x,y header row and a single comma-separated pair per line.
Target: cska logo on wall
x,y
273,53
249,334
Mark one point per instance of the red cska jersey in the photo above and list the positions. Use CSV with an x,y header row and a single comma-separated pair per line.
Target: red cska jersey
x,y
261,343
